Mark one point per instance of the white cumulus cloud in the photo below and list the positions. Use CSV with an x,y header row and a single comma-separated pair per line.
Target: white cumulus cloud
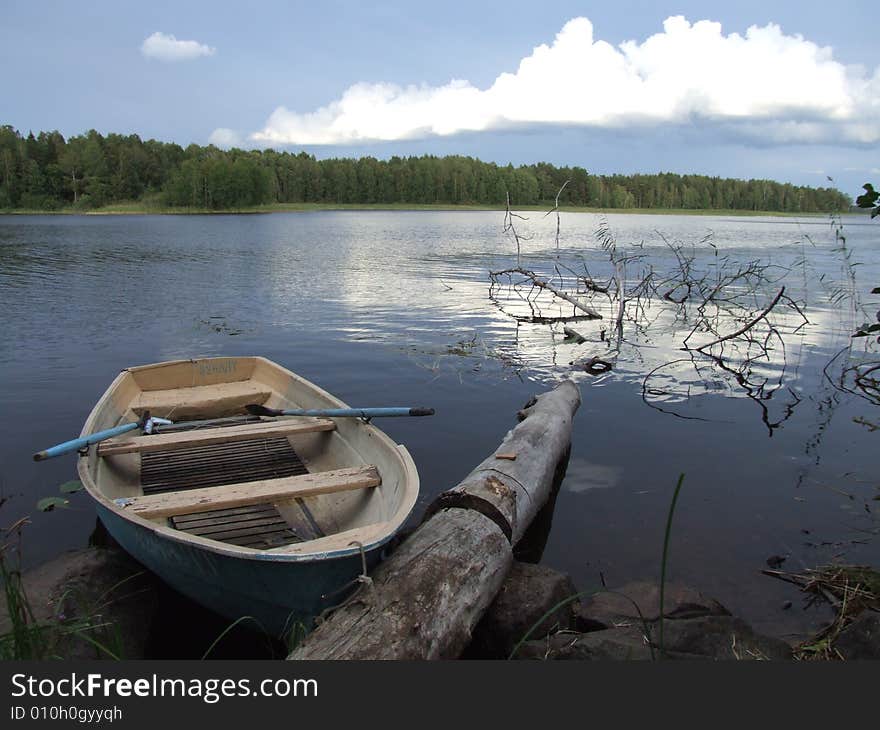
x,y
225,138
165,47
765,84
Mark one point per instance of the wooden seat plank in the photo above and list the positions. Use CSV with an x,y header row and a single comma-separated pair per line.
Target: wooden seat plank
x,y
177,402
154,506
184,439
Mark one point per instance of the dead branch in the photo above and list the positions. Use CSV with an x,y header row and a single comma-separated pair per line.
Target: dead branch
x,y
508,227
746,328
543,284
555,209
573,335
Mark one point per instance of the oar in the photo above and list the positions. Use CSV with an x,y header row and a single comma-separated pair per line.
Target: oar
x,y
257,410
145,423
77,444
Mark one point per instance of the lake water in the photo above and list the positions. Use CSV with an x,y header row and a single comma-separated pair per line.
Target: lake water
x,y
393,308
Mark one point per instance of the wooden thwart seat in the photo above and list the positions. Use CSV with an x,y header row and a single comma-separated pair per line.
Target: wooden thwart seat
x,y
185,439
235,495
200,399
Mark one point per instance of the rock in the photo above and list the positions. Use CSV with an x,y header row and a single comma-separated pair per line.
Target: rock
x,y
707,637
718,637
635,602
615,624
861,639
528,592
625,644
100,594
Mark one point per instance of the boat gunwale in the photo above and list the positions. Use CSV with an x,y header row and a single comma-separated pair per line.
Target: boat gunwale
x,y
408,474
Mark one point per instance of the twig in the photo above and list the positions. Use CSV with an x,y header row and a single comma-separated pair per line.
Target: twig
x,y
746,328
556,210
542,284
509,228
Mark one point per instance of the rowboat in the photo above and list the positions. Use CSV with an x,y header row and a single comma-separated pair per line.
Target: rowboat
x,y
271,518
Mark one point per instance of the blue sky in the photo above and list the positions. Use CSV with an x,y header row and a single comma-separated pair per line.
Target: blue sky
x,y
621,89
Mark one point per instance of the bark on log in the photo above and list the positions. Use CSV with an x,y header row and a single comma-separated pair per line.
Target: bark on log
x,y
428,596
425,599
511,492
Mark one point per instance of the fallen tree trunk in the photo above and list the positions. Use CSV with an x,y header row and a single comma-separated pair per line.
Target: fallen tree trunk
x,y
424,600
514,483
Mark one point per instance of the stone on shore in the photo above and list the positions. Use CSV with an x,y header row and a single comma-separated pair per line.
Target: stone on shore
x,y
861,638
623,624
640,601
528,592
719,637
624,644
88,597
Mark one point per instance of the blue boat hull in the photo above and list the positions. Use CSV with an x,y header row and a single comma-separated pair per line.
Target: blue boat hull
x,y
280,594
282,587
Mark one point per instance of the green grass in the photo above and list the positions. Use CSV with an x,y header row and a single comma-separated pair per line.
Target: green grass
x,y
664,560
27,637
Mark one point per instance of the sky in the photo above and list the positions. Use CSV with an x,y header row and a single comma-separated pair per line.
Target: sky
x,y
788,91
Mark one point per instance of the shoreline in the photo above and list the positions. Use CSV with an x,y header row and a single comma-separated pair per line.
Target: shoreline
x,y
136,209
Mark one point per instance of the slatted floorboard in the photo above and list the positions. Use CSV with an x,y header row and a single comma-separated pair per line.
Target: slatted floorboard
x,y
257,526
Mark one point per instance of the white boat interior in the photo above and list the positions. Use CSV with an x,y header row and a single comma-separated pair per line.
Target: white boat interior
x,y
228,480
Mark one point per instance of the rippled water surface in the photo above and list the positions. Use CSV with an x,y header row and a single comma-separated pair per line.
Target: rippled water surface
x,y
394,308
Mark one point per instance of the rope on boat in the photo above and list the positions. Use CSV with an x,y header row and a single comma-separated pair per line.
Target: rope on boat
x,y
361,580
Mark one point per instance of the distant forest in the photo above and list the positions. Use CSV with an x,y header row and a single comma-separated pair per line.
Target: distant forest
x,y
47,172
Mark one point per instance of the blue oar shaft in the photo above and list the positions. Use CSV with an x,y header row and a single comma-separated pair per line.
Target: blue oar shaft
x,y
77,444
356,412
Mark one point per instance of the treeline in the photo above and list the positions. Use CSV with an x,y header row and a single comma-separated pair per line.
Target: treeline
x,y
47,172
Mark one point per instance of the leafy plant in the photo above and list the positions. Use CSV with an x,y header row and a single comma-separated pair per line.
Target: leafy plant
x,y
47,504
869,199
71,487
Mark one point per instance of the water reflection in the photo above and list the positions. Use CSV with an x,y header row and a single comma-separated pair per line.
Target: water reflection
x,y
694,320
395,307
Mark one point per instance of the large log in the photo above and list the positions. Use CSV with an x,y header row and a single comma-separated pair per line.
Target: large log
x,y
512,484
425,600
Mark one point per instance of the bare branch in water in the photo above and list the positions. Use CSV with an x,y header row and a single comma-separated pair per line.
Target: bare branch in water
x,y
543,284
511,229
747,327
555,209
